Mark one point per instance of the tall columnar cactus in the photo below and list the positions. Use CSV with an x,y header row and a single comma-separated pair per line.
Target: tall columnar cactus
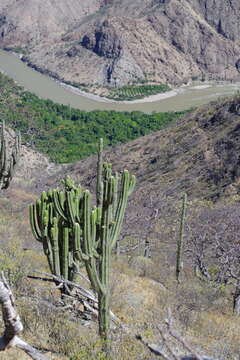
x,y
101,227
73,231
44,224
8,162
180,244
99,185
52,219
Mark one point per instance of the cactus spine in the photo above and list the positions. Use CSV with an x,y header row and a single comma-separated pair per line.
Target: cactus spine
x,y
8,162
180,243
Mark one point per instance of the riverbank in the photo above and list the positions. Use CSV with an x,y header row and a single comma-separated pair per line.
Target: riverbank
x,y
147,99
187,96
91,96
66,134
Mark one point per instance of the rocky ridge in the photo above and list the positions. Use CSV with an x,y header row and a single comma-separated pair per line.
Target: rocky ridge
x,y
113,43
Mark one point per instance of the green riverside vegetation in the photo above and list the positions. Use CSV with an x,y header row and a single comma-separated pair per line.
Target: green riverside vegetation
x,y
66,134
137,92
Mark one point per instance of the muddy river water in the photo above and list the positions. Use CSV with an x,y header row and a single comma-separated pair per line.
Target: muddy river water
x,y
45,87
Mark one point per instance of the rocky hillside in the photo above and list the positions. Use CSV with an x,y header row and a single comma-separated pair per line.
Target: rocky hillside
x,y
112,43
199,154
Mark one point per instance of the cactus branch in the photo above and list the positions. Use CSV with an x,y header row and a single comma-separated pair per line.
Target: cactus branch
x,y
8,160
180,243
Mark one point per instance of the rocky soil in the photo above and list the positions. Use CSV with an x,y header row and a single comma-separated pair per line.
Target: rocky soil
x,y
113,43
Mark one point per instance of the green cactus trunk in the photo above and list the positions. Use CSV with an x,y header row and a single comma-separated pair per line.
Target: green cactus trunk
x,y
72,230
65,253
8,160
104,276
101,228
104,317
180,244
56,255
52,219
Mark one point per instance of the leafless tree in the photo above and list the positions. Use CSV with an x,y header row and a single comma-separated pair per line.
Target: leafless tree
x,y
215,244
143,224
13,324
172,343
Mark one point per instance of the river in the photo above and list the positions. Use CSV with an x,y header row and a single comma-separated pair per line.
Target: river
x,y
47,88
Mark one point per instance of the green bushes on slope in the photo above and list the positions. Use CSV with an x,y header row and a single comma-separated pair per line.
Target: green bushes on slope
x,y
67,134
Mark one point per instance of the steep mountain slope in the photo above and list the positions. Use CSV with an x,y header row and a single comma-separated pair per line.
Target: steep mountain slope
x,y
199,154
223,15
112,43
29,22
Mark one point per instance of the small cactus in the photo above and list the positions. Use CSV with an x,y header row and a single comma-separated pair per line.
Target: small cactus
x,y
180,244
8,162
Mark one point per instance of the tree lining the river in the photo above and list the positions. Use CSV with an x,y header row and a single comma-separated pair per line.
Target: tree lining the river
x,y
66,134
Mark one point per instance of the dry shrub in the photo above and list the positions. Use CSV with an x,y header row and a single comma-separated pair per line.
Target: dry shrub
x,y
217,333
142,266
134,298
54,327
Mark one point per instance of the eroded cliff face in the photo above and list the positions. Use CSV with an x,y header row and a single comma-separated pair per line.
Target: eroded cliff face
x,y
112,43
104,41
223,15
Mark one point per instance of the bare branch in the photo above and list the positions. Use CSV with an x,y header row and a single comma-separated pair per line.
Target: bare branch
x,y
83,292
171,332
168,334
165,341
155,349
13,324
82,276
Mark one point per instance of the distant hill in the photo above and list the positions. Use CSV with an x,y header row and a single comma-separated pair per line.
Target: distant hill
x,y
114,43
199,154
